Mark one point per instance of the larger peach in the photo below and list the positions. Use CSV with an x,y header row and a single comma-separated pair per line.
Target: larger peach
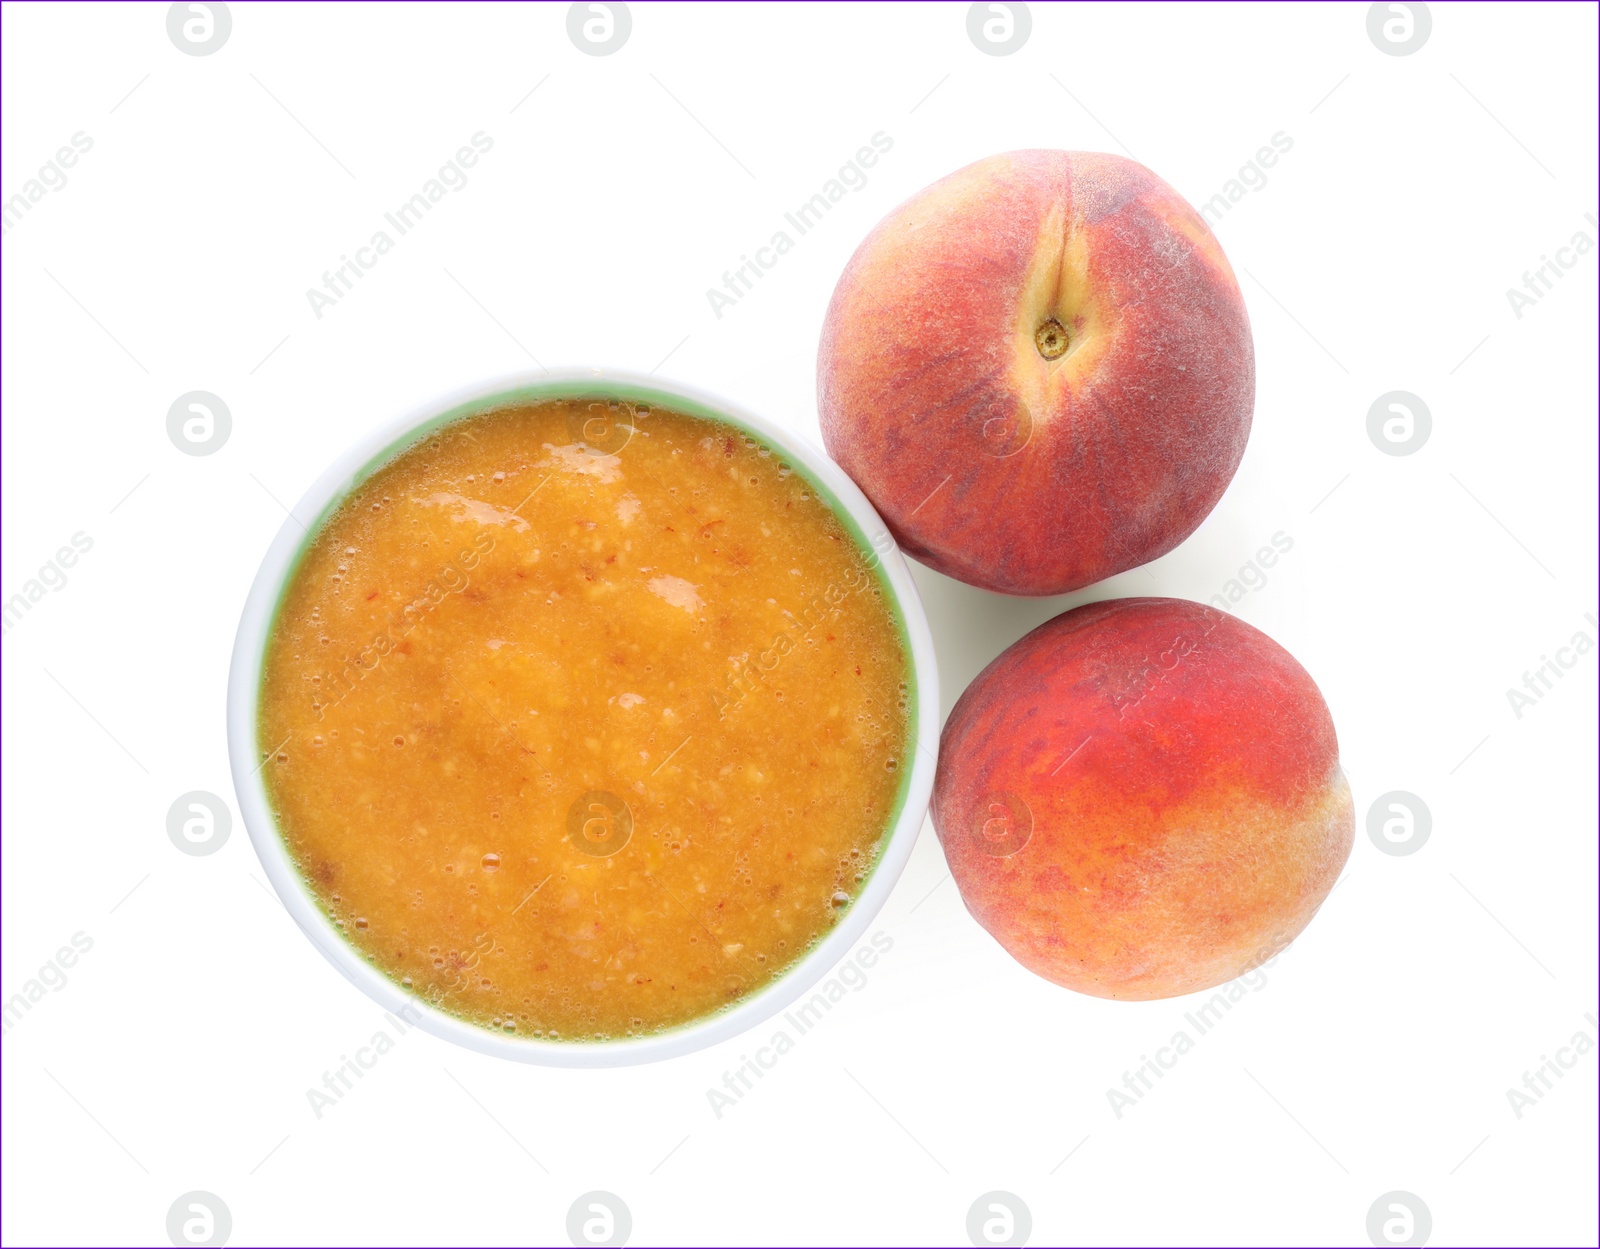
x,y
1143,798
1040,371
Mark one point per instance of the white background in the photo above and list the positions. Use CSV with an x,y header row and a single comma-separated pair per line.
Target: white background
x,y
1378,1054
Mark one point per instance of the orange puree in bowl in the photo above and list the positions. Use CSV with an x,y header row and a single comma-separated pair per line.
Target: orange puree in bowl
x,y
584,739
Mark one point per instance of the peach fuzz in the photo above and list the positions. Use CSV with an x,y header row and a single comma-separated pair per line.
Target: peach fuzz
x,y
1040,370
1142,798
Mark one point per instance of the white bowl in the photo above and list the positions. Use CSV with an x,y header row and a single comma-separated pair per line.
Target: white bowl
x,y
247,755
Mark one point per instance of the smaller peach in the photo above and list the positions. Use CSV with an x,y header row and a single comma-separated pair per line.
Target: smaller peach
x,y
1143,798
